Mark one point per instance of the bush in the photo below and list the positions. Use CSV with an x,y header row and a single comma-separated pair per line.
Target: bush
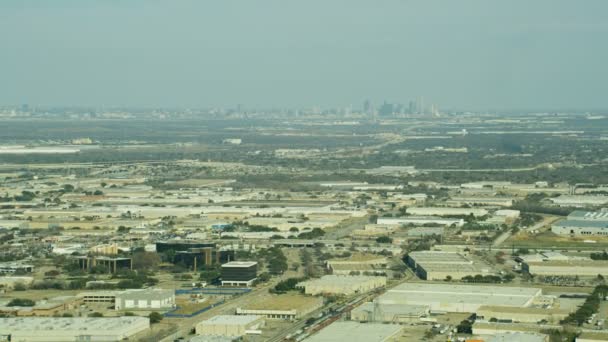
x,y
384,239
155,317
21,302
19,287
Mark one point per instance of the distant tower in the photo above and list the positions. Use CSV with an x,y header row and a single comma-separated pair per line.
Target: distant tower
x,y
421,105
367,106
412,107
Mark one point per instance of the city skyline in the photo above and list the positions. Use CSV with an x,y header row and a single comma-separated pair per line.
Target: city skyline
x,y
479,55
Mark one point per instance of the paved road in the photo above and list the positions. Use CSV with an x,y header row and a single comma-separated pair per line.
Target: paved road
x,y
349,227
547,220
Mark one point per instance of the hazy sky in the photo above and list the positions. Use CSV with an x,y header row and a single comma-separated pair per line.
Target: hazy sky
x,y
198,53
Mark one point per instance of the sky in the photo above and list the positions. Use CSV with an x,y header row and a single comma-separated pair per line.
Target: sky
x,y
465,54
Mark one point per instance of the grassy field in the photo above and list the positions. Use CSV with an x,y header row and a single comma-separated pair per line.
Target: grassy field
x,y
549,240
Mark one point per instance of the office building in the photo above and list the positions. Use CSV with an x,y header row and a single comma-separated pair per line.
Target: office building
x,y
239,273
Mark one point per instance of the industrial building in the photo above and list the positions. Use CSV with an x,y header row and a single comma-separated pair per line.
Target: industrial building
x,y
358,332
425,231
447,211
519,337
45,308
589,268
434,265
524,315
393,313
422,220
460,297
342,285
486,201
61,329
579,201
239,273
583,223
13,267
511,329
287,306
229,325
145,299
358,263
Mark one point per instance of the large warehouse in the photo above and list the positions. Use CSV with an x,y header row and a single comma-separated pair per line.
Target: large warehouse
x,y
583,223
61,329
145,299
343,285
525,315
460,298
393,313
446,211
229,325
358,332
422,220
584,268
287,306
434,265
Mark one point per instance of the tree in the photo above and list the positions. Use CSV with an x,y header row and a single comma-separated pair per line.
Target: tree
x,y
465,327
263,277
384,239
145,260
21,302
19,287
155,317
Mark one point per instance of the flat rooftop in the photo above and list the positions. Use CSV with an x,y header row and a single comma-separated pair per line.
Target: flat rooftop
x,y
69,323
357,332
231,319
339,280
240,264
283,302
426,257
358,257
416,293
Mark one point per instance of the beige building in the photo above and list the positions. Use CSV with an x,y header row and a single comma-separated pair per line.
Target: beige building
x,y
584,268
524,315
342,285
229,325
287,306
357,262
439,265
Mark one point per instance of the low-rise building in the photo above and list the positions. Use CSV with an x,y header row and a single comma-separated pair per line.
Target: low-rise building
x,y
15,267
229,325
239,273
358,332
446,211
422,220
524,315
342,285
460,297
145,299
357,262
287,306
393,313
60,329
589,268
435,265
583,223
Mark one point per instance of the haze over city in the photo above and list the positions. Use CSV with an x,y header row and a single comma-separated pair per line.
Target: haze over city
x,y
467,55
315,171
